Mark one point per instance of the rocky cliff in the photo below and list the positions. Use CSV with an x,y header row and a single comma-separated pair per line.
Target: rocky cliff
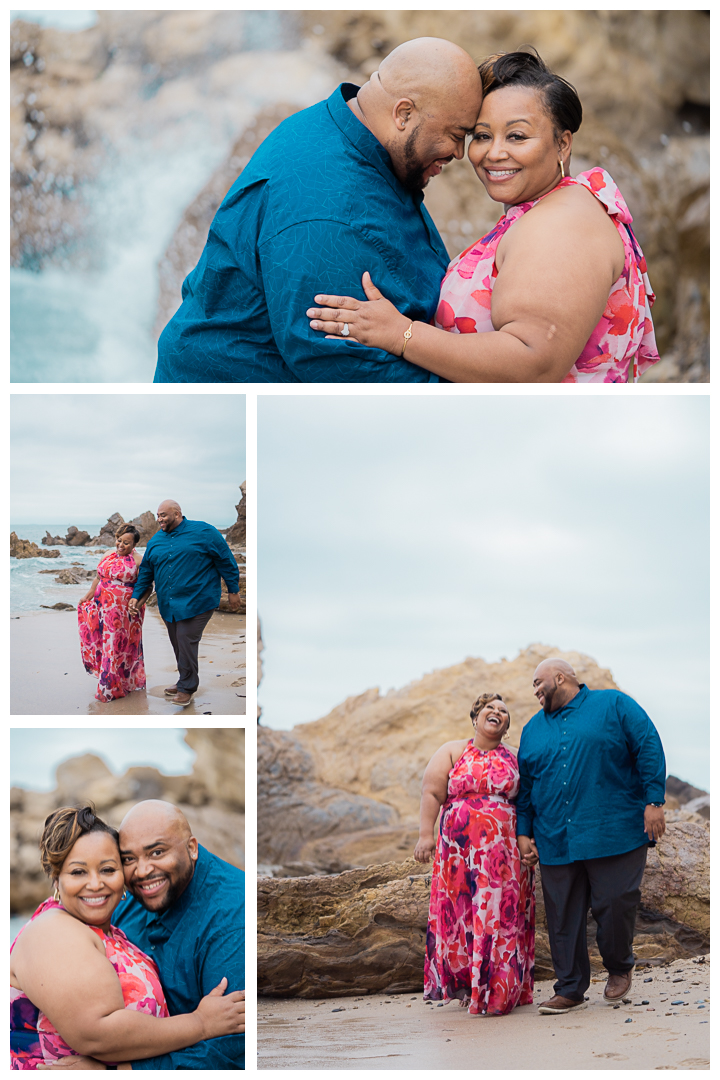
x,y
26,549
212,797
235,535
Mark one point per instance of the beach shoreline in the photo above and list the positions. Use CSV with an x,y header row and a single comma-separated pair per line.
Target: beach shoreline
x,y
401,1031
48,677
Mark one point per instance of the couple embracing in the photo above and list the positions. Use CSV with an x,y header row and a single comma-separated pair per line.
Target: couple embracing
x,y
323,265
185,560
583,799
137,960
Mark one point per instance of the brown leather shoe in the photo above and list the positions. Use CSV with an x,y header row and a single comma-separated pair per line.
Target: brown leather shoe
x,y
618,986
170,691
181,698
559,1004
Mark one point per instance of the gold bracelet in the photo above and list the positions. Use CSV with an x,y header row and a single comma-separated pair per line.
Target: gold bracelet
x,y
407,335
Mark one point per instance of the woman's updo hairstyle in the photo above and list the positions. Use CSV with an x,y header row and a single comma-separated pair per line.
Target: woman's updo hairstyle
x,y
62,829
528,69
128,529
481,702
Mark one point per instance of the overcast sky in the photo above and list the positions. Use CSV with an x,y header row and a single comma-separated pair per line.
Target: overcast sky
x,y
82,457
35,753
401,534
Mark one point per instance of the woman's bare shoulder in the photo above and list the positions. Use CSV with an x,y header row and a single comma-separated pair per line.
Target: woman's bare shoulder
x,y
57,926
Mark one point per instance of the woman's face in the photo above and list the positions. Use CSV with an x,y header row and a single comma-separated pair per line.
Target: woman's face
x,y
125,543
91,881
493,720
514,149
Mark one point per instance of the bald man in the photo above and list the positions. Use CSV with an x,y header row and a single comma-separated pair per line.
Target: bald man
x,y
186,559
334,191
592,788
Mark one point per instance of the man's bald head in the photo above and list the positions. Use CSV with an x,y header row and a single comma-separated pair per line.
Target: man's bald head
x,y
420,104
555,683
158,852
169,515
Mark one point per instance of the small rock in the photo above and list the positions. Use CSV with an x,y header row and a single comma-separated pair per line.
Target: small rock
x,y
626,1001
616,1006
338,1010
648,980
645,1003
628,1021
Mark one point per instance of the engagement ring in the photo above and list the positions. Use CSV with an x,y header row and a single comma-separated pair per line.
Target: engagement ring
x,y
345,330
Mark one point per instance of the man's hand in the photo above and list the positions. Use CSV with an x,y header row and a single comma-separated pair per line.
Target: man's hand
x,y
424,849
234,601
133,605
654,822
528,851
72,1061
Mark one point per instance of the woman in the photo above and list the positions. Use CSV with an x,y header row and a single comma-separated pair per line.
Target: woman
x,y
111,634
558,290
77,985
481,927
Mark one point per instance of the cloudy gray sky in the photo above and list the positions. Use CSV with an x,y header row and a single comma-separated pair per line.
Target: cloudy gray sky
x,y
79,457
401,534
35,753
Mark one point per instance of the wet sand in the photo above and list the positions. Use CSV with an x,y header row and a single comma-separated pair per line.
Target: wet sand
x,y
48,679
400,1031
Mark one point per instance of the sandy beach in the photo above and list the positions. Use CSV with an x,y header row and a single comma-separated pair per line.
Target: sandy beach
x,y
48,677
400,1031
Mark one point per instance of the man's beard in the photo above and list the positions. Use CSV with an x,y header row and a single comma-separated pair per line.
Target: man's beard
x,y
547,701
414,169
174,891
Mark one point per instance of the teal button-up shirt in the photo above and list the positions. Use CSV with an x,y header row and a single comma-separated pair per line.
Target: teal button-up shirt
x,y
186,566
317,205
196,942
587,772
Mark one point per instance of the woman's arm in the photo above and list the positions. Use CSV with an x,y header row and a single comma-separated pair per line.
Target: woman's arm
x,y
556,267
66,976
434,794
91,592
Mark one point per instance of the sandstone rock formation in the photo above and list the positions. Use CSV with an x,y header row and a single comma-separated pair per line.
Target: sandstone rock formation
x,y
26,549
363,931
235,535
212,797
58,607
145,523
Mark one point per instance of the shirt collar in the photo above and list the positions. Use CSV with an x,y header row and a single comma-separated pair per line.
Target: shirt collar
x,y
364,141
177,529
577,700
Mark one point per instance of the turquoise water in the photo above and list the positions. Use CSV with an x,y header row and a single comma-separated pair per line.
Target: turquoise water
x,y
29,588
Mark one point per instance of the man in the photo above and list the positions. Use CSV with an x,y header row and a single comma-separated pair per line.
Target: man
x,y
186,559
187,912
334,191
592,788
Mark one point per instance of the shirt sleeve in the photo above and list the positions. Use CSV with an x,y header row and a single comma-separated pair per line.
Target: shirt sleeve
x,y
523,803
328,257
224,955
225,562
645,747
145,578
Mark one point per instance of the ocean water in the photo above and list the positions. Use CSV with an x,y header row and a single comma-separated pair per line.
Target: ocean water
x,y
16,924
29,588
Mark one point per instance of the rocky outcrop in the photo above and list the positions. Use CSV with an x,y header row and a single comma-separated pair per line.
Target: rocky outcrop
x,y
26,549
363,931
145,524
51,541
235,535
58,607
212,798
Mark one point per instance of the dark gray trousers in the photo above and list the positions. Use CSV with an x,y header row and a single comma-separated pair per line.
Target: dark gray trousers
x,y
610,888
185,638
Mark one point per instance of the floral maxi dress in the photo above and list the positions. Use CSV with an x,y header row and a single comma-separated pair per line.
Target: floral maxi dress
x,y
110,634
481,926
33,1038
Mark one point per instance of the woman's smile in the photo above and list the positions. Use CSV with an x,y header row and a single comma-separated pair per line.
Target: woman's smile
x,y
95,901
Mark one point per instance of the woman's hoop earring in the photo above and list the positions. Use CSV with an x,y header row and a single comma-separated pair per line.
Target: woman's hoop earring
x,y
562,168
56,894
124,895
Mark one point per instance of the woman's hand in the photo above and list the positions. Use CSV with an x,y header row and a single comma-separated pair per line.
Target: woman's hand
x,y
375,322
424,849
221,1013
528,851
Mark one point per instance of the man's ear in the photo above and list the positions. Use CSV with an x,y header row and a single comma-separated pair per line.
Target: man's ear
x,y
193,848
402,113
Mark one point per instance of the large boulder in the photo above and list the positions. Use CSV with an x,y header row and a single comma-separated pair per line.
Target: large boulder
x,y
363,931
145,523
26,549
52,540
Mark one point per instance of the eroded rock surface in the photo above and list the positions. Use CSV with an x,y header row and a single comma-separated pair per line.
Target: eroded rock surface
x,y
26,549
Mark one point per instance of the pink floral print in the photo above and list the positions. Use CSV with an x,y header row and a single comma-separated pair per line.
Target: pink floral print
x,y
481,927
110,634
622,345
